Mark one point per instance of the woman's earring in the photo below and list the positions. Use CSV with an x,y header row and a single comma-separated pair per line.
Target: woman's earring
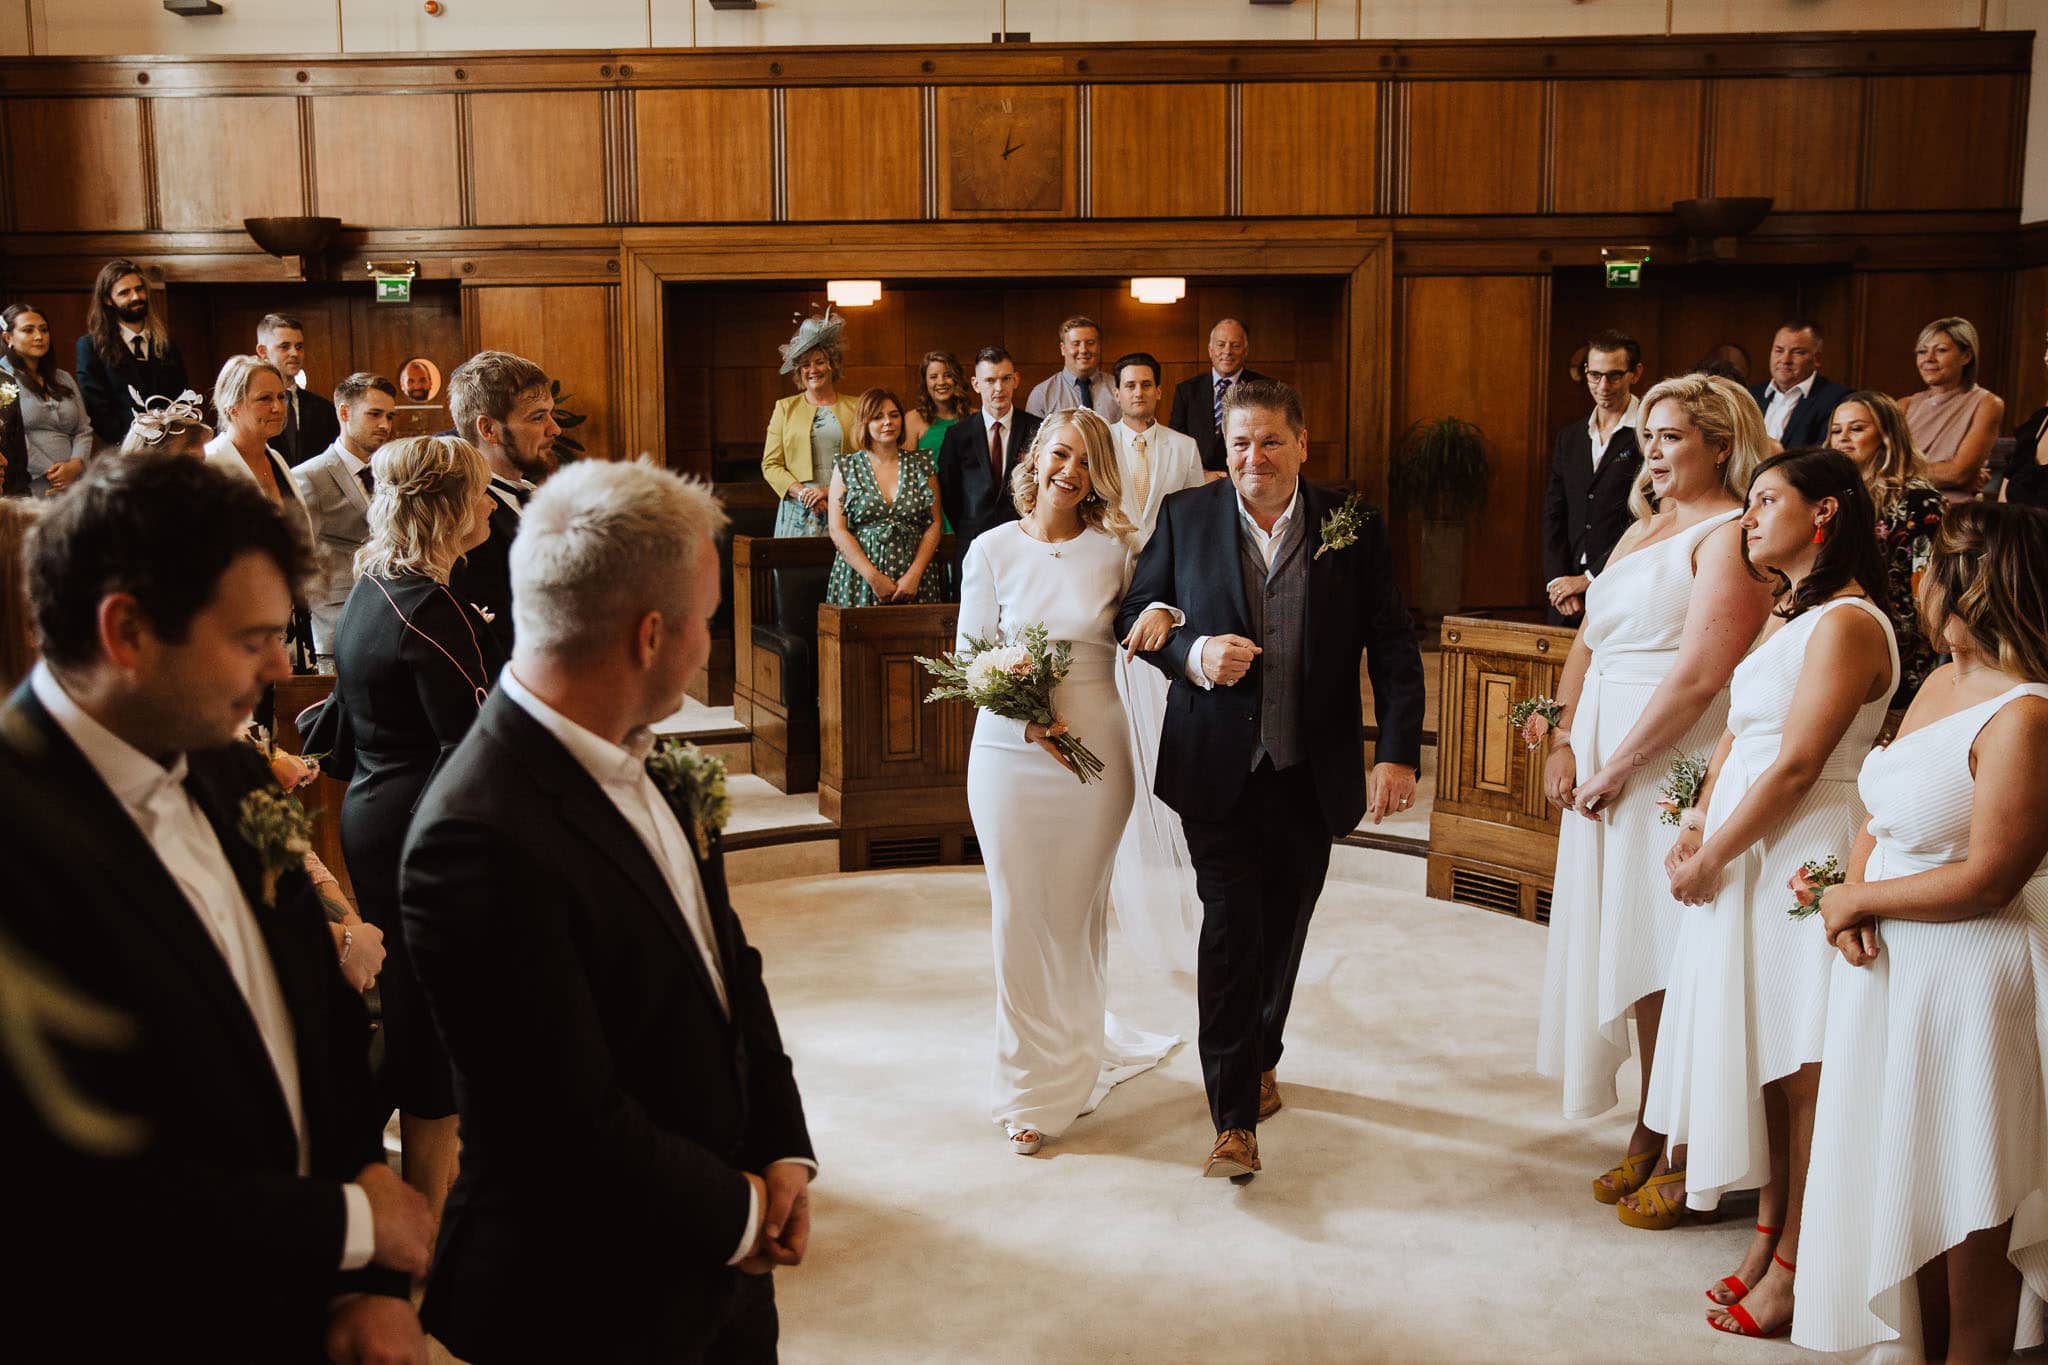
x,y
1820,533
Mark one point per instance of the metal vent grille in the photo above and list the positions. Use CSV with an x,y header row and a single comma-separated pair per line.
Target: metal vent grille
x,y
1488,893
914,851
1543,907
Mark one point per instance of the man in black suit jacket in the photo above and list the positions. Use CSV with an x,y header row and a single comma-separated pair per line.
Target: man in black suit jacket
x,y
1258,622
1198,401
504,405
310,423
634,1154
1592,468
124,348
202,1175
974,493
1797,399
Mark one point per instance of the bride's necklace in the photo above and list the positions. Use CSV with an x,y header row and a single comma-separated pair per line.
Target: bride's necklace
x,y
1031,532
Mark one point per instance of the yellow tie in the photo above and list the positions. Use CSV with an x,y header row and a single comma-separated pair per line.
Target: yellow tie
x,y
1141,473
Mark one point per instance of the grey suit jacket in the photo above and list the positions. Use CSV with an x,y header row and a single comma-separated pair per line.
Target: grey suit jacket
x,y
340,512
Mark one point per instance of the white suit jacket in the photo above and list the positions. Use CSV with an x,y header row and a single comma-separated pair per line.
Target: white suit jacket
x,y
1176,463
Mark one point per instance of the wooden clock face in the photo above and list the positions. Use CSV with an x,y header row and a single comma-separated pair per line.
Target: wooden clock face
x,y
1007,152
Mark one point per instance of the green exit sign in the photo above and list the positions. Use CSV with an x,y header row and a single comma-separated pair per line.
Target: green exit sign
x,y
398,288
1624,274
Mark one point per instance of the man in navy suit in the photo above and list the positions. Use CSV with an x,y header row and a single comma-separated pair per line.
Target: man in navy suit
x,y
1257,597
1797,399
980,453
1198,402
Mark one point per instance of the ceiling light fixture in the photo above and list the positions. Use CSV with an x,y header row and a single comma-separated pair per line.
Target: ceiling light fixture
x,y
1159,289
853,293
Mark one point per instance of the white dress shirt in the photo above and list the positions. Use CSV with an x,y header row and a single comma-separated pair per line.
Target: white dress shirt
x,y
621,773
1268,545
1629,419
1782,403
156,800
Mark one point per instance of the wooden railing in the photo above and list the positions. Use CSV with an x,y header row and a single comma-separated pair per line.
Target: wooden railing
x,y
893,768
1492,836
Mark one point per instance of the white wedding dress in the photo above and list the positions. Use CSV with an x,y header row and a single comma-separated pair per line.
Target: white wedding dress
x,y
1153,889
1047,839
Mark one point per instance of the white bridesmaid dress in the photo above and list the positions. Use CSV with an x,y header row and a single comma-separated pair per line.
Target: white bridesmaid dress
x,y
1047,839
1933,1114
1153,888
1747,1001
1613,923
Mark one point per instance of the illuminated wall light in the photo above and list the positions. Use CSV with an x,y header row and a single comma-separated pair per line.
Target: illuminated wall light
x,y
853,293
1159,289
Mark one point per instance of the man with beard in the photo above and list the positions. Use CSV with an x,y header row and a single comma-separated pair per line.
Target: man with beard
x,y
125,347
505,407
336,486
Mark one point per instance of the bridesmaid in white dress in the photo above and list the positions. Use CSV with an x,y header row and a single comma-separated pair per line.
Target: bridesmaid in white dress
x,y
1927,1204
1048,840
1747,1004
1666,623
1153,889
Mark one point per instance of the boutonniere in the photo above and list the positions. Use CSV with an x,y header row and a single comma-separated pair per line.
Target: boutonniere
x,y
1340,527
9,394
694,783
275,824
485,612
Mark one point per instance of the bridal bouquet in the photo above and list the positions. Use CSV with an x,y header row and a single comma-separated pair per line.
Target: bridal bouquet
x,y
1682,787
1014,681
1534,718
1811,882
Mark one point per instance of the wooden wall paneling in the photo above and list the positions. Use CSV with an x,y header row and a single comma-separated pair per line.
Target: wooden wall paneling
x,y
1897,304
1945,142
1474,147
1037,124
1800,141
391,160
65,311
78,165
854,154
1452,328
537,157
219,161
1625,146
1143,139
1307,148
704,156
2029,388
568,330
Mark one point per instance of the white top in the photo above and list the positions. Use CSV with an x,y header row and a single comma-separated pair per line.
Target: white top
x,y
222,454
1629,419
156,800
1782,402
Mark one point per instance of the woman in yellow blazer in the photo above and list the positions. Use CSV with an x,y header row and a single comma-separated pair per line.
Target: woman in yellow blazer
x,y
808,429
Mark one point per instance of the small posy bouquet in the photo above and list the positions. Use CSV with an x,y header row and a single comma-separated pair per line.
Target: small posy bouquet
x,y
1810,882
1340,527
694,783
1682,787
1014,681
1534,718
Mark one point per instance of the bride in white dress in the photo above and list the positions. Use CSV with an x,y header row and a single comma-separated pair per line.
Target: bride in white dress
x,y
1047,839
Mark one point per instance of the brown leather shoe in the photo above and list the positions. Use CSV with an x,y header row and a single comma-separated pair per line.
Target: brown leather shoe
x,y
1236,1153
1269,1095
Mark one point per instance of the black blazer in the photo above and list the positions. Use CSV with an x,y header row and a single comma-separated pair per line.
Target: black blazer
x,y
1354,607
1585,511
608,1105
1808,424
105,387
309,429
1194,412
483,577
214,1245
967,490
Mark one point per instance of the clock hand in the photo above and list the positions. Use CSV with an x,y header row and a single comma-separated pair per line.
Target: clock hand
x,y
1009,147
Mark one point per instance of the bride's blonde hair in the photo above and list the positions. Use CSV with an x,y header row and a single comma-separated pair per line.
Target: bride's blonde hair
x,y
1103,508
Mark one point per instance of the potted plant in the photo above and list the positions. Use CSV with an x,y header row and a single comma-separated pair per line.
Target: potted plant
x,y
1440,471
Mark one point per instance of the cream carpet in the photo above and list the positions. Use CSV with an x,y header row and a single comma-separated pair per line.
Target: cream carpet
x,y
1422,1201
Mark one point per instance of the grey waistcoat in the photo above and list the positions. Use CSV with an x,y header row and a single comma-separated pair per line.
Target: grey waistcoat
x,y
1276,603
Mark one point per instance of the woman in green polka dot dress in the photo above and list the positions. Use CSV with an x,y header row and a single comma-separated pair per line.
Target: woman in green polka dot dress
x,y
884,513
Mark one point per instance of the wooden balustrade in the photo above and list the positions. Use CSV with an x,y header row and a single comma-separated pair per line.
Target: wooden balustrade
x,y
893,766
1492,836
784,728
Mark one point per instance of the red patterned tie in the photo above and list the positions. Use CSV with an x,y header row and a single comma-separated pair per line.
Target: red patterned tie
x,y
995,450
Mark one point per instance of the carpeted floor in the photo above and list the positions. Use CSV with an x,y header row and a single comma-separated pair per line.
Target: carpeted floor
x,y
1422,1201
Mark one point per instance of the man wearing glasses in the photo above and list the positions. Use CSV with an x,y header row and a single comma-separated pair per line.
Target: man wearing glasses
x,y
1592,469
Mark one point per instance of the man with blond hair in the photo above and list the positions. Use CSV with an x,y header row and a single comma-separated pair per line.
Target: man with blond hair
x,y
635,1160
1080,382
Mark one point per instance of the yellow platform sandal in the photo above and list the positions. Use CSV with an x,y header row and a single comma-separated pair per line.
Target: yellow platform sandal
x,y
1664,1212
1625,1179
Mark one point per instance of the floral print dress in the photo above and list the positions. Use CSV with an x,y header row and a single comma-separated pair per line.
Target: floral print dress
x,y
1905,533
888,532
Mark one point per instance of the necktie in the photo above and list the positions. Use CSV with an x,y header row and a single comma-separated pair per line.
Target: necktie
x,y
1222,386
368,481
140,345
1141,472
995,451
1087,390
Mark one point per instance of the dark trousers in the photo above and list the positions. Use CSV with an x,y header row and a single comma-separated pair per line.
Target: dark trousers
x,y
1259,873
748,1335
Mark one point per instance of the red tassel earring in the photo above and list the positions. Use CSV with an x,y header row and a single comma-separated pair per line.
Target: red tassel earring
x,y
1820,534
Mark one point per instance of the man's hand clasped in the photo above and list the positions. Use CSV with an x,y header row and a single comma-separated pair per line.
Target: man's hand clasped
x,y
785,1194
1227,658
